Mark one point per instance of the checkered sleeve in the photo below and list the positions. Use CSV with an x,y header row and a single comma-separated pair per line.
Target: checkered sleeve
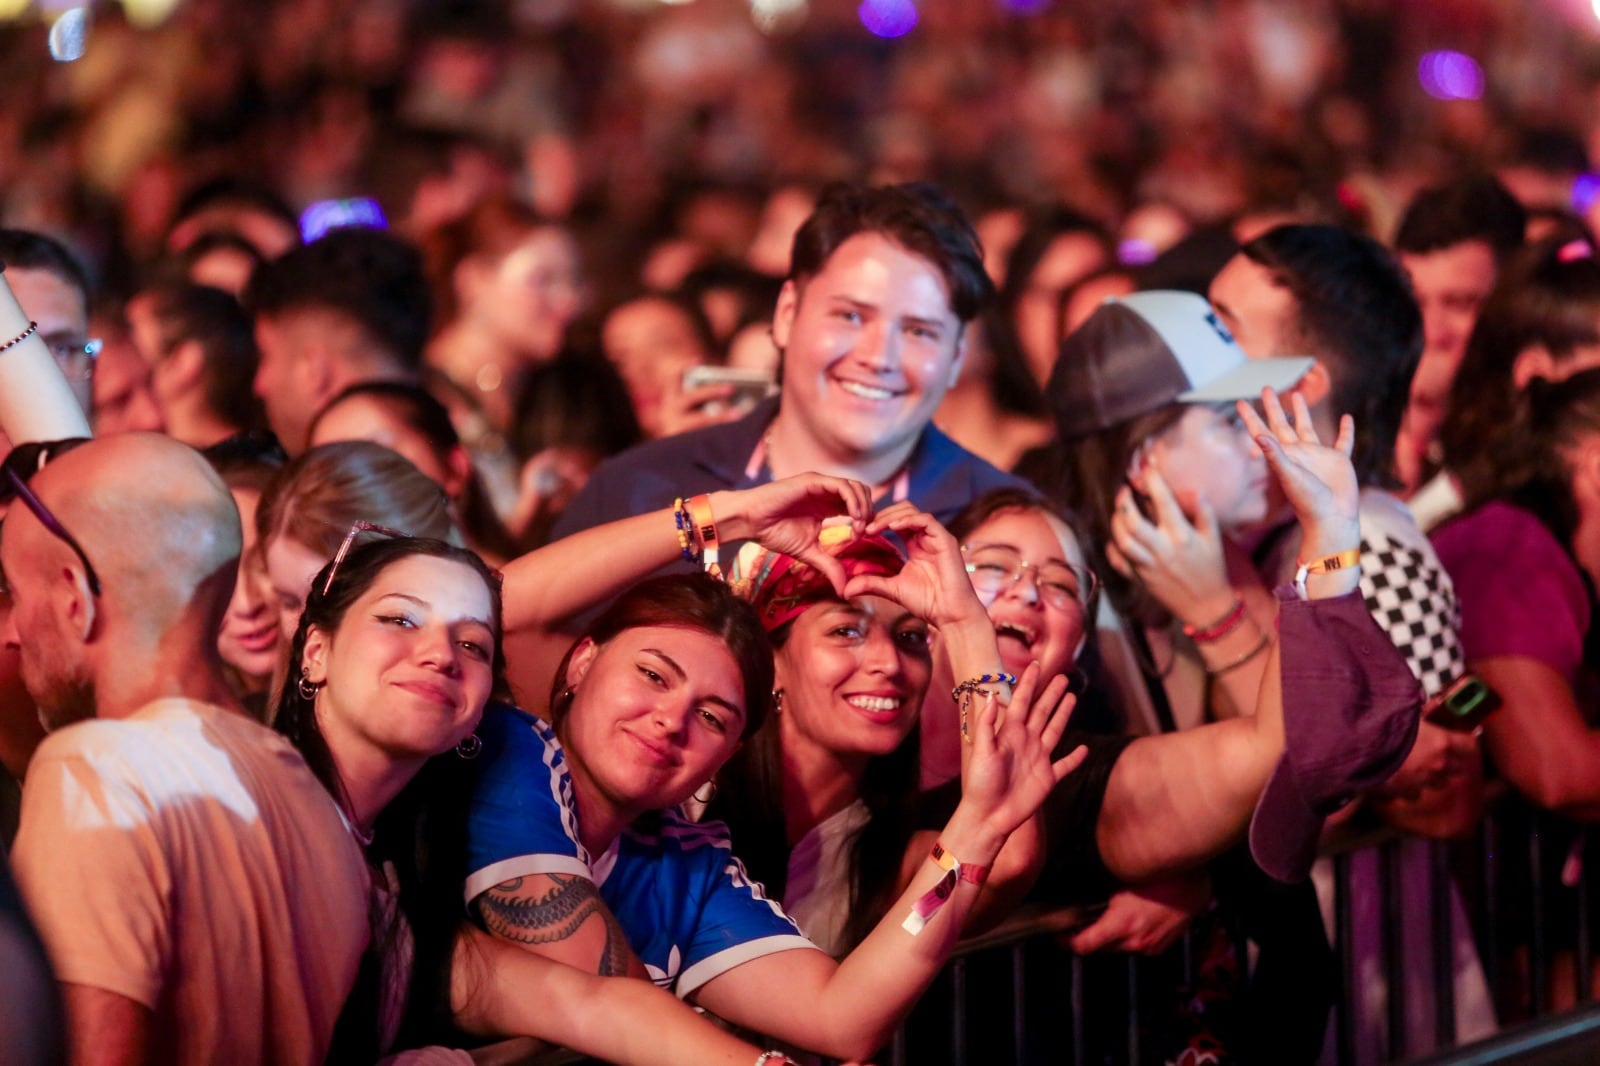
x,y
1413,600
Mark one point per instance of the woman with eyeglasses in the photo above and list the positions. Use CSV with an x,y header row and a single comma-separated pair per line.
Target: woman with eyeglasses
x,y
394,658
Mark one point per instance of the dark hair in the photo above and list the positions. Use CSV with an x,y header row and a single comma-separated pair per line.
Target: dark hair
x,y
1012,378
27,250
1475,208
213,319
233,192
1538,473
1545,297
420,833
492,230
1354,311
576,401
918,216
422,412
685,601
247,460
368,277
1085,475
750,799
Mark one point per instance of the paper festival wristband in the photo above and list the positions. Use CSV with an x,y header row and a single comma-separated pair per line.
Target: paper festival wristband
x,y
705,531
955,871
1325,565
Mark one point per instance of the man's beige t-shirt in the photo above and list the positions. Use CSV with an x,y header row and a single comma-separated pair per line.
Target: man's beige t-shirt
x,y
186,858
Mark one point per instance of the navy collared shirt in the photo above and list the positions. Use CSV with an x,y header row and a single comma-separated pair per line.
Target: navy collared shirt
x,y
943,476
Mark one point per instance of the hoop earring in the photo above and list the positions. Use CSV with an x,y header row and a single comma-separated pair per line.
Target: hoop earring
x,y
469,747
706,800
308,688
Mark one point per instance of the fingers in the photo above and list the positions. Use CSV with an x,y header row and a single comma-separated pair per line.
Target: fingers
x,y
1252,421
1069,762
1277,421
870,585
1303,426
1346,441
1056,725
1169,513
890,516
828,566
1094,937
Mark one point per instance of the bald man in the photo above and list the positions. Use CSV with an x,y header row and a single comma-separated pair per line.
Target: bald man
x,y
195,885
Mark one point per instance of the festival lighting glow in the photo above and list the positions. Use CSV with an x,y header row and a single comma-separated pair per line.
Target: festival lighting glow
x,y
888,18
1451,76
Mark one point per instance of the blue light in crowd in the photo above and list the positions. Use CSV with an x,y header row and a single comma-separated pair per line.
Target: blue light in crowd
x,y
888,18
1585,190
1450,76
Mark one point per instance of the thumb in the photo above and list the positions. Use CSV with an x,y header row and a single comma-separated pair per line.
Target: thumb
x,y
868,585
1094,937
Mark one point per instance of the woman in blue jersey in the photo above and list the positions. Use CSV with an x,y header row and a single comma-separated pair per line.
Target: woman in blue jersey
x,y
395,656
576,849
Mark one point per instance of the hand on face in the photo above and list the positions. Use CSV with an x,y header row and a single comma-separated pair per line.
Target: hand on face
x,y
1318,481
933,584
1177,556
1010,772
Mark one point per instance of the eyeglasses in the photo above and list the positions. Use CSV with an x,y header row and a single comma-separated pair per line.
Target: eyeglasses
x,y
76,360
53,524
996,568
349,541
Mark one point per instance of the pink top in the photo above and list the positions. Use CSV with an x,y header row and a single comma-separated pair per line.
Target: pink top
x,y
1521,593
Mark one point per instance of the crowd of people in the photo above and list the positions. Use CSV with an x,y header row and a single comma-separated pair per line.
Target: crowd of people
x,y
553,564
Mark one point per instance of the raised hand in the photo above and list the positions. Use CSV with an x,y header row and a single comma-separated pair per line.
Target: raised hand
x,y
933,584
1177,555
1010,772
1318,481
785,516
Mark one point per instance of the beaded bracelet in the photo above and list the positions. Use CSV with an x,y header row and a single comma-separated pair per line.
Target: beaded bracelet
x,y
1218,629
975,684
33,327
773,1056
680,518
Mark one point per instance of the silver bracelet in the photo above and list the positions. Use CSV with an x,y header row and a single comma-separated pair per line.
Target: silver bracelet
x,y
33,327
773,1056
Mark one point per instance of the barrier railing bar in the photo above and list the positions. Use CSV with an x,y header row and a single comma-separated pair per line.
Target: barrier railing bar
x,y
1394,947
1133,1009
1537,955
1019,1009
1075,974
958,1015
1343,923
1585,975
1444,945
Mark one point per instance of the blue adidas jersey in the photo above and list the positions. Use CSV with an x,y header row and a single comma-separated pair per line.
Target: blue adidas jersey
x,y
685,903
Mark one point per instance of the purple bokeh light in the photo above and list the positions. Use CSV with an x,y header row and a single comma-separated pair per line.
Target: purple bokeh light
x,y
888,18
1450,76
1024,7
1585,191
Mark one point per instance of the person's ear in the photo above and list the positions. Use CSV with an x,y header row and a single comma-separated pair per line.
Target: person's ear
x,y
583,657
468,280
783,315
75,603
960,358
181,370
1315,386
1534,362
457,470
314,657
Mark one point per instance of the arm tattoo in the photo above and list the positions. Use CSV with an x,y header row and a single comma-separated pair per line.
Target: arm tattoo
x,y
555,916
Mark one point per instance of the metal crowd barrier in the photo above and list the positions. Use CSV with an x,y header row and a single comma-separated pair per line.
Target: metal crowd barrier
x,y
959,1022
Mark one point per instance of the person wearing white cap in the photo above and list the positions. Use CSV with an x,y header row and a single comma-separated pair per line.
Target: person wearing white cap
x,y
1157,463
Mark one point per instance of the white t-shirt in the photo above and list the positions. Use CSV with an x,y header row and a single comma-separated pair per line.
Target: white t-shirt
x,y
817,895
186,858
